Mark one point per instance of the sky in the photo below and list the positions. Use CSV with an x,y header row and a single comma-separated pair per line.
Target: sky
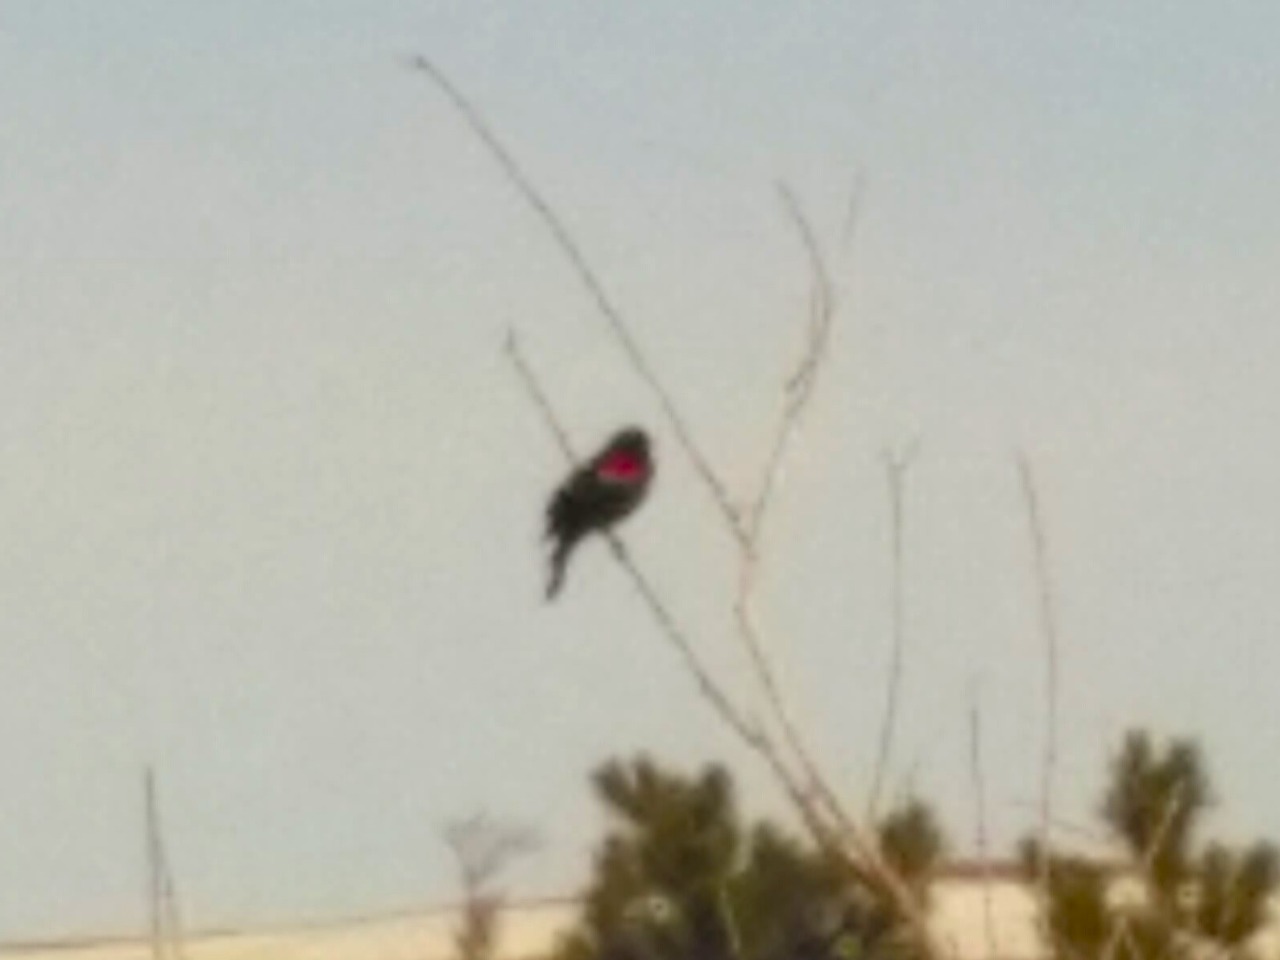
x,y
271,495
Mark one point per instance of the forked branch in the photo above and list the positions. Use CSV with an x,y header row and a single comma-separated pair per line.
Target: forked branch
x,y
798,392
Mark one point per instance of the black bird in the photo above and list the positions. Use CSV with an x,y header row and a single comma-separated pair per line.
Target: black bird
x,y
596,496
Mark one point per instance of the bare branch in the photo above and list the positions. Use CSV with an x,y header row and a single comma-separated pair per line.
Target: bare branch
x,y
798,393
1049,632
800,387
824,302
573,252
801,383
514,353
853,212
896,466
980,820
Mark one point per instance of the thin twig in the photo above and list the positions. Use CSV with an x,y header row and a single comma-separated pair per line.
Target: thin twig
x,y
980,820
573,252
799,392
896,466
1049,631
800,385
853,212
516,355
824,305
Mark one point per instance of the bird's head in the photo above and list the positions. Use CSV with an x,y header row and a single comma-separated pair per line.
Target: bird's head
x,y
632,441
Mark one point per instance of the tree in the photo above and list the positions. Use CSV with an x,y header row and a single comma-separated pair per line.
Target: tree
x,y
681,876
1154,802
481,849
912,841
1191,900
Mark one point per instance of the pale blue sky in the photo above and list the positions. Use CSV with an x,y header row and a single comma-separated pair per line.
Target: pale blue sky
x,y
270,496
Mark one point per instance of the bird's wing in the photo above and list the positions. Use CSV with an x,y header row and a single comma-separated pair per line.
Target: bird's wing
x,y
567,501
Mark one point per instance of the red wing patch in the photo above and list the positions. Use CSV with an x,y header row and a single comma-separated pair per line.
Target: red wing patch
x,y
622,468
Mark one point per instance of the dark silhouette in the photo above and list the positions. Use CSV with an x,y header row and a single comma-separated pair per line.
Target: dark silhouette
x,y
596,496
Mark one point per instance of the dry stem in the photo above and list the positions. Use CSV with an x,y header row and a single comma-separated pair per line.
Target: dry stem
x,y
799,391
896,466
980,821
1049,631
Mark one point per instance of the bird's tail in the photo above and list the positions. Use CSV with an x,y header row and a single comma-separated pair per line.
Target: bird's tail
x,y
559,558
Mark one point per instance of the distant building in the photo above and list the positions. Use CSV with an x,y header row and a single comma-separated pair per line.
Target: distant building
x,y
985,911
981,911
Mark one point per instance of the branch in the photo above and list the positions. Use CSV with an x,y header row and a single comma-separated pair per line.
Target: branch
x,y
980,822
896,466
1049,631
595,289
853,212
801,383
799,391
511,347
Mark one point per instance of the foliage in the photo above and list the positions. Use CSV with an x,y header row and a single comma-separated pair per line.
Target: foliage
x,y
1234,887
681,876
1153,803
912,841
1185,900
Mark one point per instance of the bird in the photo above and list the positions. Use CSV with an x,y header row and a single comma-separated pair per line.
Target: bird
x,y
596,496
